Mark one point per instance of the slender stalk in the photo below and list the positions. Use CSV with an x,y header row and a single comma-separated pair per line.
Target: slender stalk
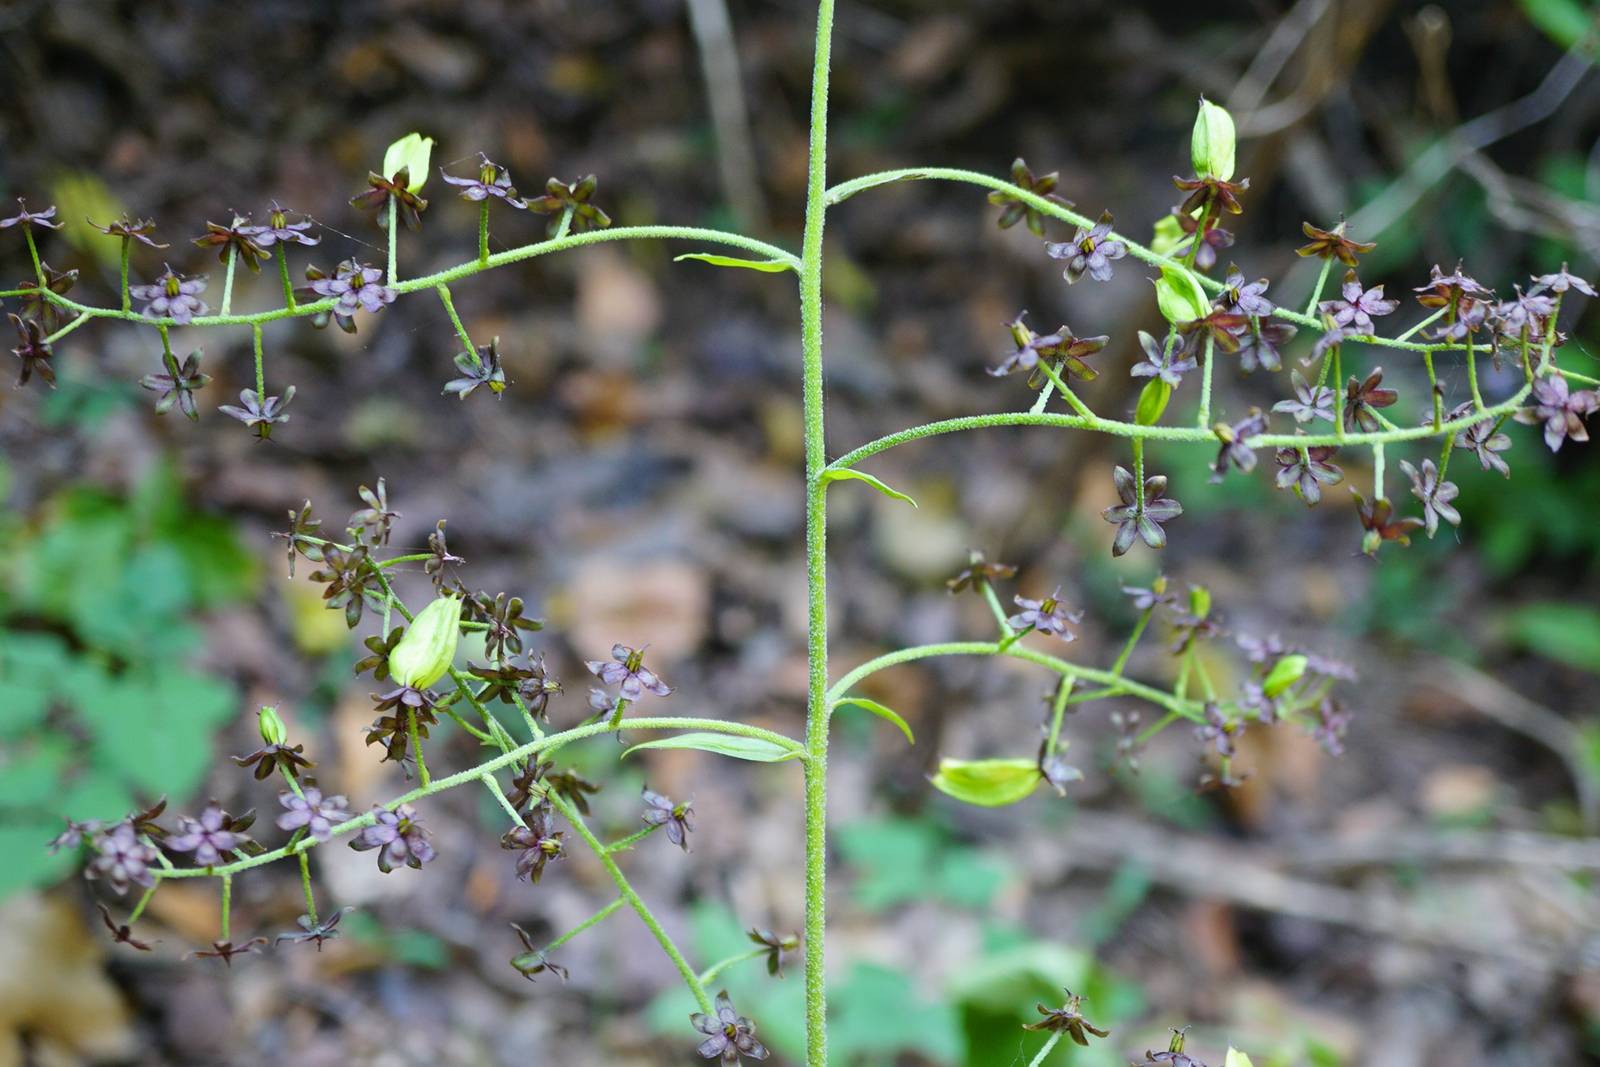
x,y
455,320
1316,291
394,245
1205,383
709,975
1045,1049
227,279
416,747
483,232
33,254
127,295
261,366
817,704
283,276
594,920
227,907
305,884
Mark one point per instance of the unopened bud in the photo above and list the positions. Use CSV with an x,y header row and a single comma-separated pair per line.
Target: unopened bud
x,y
271,726
1211,146
428,647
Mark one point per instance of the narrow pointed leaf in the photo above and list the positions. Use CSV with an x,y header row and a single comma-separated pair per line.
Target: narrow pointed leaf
x,y
881,711
766,266
862,476
746,748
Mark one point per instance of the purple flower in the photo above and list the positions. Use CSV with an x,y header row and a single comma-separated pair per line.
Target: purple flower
x,y
1069,1019
1363,398
236,238
1233,449
279,230
172,296
1145,599
1016,209
1455,289
130,230
24,217
210,837
1048,616
226,950
1208,191
399,837
627,671
538,841
481,368
1160,362
1306,471
1214,241
1060,349
178,385
1560,409
1377,519
354,286
1434,493
260,413
561,197
36,302
1138,518
1261,345
34,351
1523,316
677,818
1359,306
1245,298
1332,724
1217,730
313,931
493,180
122,859
1089,252
1484,439
1310,401
313,812
1561,281
730,1036
1333,244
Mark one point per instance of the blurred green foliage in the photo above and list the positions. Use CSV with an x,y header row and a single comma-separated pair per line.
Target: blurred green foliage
x,y
99,710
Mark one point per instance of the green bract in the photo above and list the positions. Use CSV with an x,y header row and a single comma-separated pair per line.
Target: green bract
x,y
428,646
1211,146
410,154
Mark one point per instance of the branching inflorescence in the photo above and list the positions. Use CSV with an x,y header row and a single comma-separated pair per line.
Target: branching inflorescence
x,y
1330,408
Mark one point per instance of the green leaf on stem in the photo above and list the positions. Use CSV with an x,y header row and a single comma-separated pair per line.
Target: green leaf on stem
x,y
988,783
766,266
879,710
862,476
756,749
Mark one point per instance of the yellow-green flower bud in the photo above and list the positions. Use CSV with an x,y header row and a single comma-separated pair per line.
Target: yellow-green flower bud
x,y
410,154
271,726
1211,146
1199,601
428,646
1287,671
1180,297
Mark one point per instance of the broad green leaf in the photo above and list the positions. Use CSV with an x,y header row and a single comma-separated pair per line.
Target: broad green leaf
x,y
154,731
747,748
878,1013
862,476
988,783
766,266
1567,633
879,710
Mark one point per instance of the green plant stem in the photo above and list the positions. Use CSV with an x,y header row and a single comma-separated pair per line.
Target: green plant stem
x,y
33,254
305,884
126,293
483,232
1044,1051
416,747
1133,639
1316,291
817,702
455,320
1377,471
283,276
260,360
709,975
393,275
1204,421
227,280
623,844
1066,392
144,900
1058,710
227,907
1433,391
594,920
68,328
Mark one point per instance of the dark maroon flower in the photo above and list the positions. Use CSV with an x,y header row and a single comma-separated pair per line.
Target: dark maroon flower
x,y
1060,350
260,413
313,931
1306,471
1211,191
627,671
279,230
1167,362
730,1036
33,350
482,369
1018,210
1363,397
1333,244
302,536
493,180
507,622
1049,616
1358,306
1332,724
1215,240
1468,320
535,961
24,217
236,239
375,200
226,950
1455,290
1332,337
379,647
36,302
778,946
353,287
559,198
210,837
1245,298
1484,439
1223,327
348,576
1561,281
172,296
312,812
677,818
1234,450
439,557
394,731
979,572
399,837
371,524
130,230
1434,493
1310,401
1561,410
1145,599
1262,344
1218,730
1140,519
1377,518
1091,251
123,858
1526,315
539,842
269,758
178,385
75,834
1068,1019
121,933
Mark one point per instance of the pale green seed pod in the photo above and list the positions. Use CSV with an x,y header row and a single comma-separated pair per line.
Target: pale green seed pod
x,y
1180,297
410,153
428,647
1152,402
1211,146
271,726
1287,671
